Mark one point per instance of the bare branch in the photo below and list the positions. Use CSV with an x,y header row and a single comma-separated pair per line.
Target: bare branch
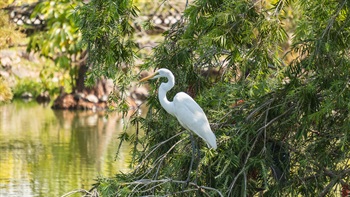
x,y
76,191
163,181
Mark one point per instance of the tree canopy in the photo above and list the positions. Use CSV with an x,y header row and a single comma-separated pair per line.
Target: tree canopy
x,y
273,78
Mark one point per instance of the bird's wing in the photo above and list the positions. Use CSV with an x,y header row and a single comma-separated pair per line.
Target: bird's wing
x,y
192,117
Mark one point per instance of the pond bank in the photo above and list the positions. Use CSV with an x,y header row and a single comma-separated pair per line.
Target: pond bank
x,y
24,73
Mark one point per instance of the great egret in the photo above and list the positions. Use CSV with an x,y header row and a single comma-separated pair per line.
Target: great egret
x,y
184,108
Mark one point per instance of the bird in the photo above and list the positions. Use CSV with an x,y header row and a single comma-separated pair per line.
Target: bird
x,y
187,111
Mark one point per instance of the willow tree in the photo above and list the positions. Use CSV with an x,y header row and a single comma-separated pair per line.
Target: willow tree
x,y
91,40
273,78
107,32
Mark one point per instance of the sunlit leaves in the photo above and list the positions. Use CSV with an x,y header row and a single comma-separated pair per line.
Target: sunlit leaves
x,y
255,101
107,30
62,36
107,34
61,40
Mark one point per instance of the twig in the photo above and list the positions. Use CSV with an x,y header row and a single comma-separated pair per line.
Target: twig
x,y
266,116
164,156
156,163
181,192
259,131
76,191
259,108
159,159
244,164
163,181
336,178
331,21
155,148
273,120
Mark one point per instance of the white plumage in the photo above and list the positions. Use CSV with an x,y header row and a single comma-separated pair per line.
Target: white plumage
x,y
184,108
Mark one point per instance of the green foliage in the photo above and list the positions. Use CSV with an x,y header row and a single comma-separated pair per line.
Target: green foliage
x,y
27,85
61,37
44,82
61,41
108,35
282,124
107,32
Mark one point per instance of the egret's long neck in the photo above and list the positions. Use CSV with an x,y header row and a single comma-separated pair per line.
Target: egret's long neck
x,y
163,89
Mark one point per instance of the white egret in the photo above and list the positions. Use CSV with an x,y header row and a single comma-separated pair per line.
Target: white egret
x,y
184,108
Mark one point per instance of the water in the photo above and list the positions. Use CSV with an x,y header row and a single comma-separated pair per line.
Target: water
x,y
50,153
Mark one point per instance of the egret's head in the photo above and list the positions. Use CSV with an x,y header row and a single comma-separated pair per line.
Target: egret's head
x,y
163,72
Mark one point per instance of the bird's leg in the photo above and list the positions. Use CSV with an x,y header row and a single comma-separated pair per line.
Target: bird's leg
x,y
198,160
192,159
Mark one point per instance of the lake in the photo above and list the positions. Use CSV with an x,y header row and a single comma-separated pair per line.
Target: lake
x,y
50,153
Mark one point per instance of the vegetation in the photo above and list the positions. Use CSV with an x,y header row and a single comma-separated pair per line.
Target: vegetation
x,y
272,76
13,40
108,35
9,33
61,41
6,93
280,112
45,82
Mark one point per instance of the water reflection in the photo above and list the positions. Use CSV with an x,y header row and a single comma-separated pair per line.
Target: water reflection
x,y
49,153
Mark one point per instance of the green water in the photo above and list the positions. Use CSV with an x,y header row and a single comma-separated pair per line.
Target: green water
x,y
50,153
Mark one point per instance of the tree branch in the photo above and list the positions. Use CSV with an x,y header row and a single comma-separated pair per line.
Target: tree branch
x,y
164,181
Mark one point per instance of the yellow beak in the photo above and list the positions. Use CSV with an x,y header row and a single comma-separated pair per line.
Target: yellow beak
x,y
147,78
